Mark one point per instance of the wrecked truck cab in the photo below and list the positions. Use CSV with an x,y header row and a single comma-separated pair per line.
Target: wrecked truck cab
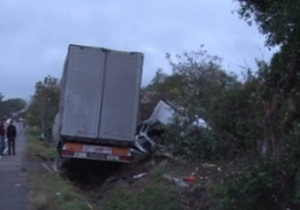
x,y
164,114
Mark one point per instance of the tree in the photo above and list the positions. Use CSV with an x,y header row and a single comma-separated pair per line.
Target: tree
x,y
10,106
273,183
200,86
280,22
44,103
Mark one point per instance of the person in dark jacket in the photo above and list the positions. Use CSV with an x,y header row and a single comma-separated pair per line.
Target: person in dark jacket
x,y
11,133
2,138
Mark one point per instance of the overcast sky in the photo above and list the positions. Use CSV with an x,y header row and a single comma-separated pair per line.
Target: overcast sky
x,y
35,35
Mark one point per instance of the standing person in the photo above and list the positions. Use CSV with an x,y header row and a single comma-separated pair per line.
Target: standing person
x,y
11,133
2,138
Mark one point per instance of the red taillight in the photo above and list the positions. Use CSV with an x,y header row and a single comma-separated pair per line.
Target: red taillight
x,y
67,152
125,158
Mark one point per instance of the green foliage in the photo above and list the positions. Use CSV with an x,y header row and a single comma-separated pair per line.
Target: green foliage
x,y
237,116
259,116
254,189
268,184
7,107
36,147
279,20
44,103
195,77
233,110
265,185
193,143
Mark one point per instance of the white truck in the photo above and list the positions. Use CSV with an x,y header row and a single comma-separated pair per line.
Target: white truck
x,y
100,91
164,113
97,118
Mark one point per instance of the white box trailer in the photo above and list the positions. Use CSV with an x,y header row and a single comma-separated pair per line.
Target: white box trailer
x,y
99,103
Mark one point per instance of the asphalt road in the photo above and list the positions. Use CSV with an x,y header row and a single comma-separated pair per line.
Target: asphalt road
x,y
13,177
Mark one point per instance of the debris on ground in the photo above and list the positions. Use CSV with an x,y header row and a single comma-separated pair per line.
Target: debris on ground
x,y
139,175
47,168
42,157
191,178
178,181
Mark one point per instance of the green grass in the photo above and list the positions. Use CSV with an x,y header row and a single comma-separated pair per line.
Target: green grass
x,y
152,197
153,193
50,191
38,147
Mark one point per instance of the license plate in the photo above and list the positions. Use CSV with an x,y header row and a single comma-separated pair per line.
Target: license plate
x,y
80,155
97,149
97,155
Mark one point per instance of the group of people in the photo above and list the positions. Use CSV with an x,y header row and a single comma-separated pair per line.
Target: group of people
x,y
10,133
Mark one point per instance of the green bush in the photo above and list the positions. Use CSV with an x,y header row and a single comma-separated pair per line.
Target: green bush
x,y
198,146
265,185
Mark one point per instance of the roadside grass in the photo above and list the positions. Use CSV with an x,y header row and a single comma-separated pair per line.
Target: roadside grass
x,y
50,191
38,148
153,196
152,193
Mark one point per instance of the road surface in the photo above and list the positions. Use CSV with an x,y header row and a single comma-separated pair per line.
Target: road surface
x,y
13,177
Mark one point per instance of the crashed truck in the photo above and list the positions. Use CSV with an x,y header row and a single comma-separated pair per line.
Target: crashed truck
x,y
97,118
164,113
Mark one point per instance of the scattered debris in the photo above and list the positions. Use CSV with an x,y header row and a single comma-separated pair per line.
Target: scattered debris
x,y
179,182
208,165
90,206
194,188
42,157
149,165
112,179
55,166
139,175
165,155
47,168
191,178
128,178
163,164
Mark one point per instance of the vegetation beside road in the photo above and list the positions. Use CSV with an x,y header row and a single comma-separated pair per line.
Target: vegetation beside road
x,y
254,120
53,191
152,191
39,148
49,190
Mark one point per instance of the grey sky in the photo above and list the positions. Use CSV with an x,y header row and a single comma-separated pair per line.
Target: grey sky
x,y
35,35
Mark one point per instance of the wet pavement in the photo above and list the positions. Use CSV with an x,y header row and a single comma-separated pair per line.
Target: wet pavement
x,y
13,177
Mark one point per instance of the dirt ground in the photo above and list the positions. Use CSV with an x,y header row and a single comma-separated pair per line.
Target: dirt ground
x,y
193,180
